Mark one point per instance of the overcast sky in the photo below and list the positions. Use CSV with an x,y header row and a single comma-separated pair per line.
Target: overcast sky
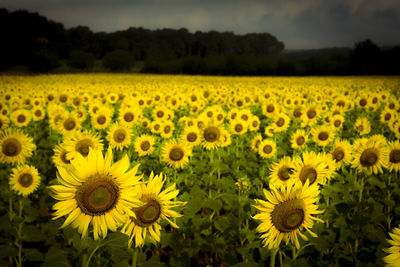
x,y
300,24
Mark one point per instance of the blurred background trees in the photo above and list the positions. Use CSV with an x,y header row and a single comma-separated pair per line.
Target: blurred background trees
x,y
31,42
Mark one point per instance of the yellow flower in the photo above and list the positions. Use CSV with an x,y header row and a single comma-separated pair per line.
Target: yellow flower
x,y
96,191
21,117
15,146
144,145
299,139
191,135
393,259
281,172
394,156
370,154
80,142
311,167
267,148
24,180
156,207
211,136
286,213
322,135
362,126
175,154
119,136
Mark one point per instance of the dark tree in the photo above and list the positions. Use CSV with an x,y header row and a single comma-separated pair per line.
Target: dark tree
x,y
118,60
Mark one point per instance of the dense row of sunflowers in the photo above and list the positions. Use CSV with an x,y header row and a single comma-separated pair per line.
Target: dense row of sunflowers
x,y
102,129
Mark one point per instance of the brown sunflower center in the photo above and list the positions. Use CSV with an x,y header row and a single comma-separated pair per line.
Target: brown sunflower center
x,y
63,98
148,213
283,173
83,145
209,114
101,119
238,128
167,129
145,145
297,113
25,179
63,157
270,108
311,113
191,137
160,113
338,154
254,123
21,118
38,113
69,124
119,135
300,140
267,149
145,124
288,216
176,154
369,157
212,134
245,117
387,116
337,123
11,147
308,173
323,136
280,122
220,117
97,195
363,102
128,117
395,156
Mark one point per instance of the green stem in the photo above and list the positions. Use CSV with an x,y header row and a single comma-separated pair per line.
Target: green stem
x,y
273,256
294,253
361,190
91,255
84,261
19,234
280,258
134,257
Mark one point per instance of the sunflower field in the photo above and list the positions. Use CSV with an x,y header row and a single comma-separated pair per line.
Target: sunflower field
x,y
146,170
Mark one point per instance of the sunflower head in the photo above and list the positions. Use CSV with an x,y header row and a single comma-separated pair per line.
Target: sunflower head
x,y
176,154
24,180
144,145
15,146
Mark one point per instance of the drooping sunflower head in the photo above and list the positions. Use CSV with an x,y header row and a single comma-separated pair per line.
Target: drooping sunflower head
x,y
144,145
370,154
176,154
96,191
255,142
119,136
288,211
15,146
24,180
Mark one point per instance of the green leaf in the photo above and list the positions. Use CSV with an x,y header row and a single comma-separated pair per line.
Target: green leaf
x,y
56,257
33,254
31,233
8,251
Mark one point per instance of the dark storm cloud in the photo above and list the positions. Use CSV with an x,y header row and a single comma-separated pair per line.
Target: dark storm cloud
x,y
298,23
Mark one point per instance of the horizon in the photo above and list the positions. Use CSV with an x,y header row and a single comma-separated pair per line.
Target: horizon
x,y
300,25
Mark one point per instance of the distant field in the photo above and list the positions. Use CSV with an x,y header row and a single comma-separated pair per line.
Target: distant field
x,y
167,170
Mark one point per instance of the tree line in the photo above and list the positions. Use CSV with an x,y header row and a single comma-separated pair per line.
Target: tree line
x,y
33,43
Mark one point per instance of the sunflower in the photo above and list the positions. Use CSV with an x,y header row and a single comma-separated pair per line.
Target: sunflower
x,y
60,157
310,167
24,180
21,117
238,127
281,171
144,145
370,154
387,115
38,113
362,126
269,108
112,98
128,116
145,123
393,259
254,123
299,139
102,119
267,148
119,136
156,207
4,122
394,156
297,112
281,122
211,135
269,131
286,213
156,127
322,135
97,191
70,124
226,138
255,142
175,154
167,129
15,146
341,152
337,122
80,114
80,142
191,135
159,113
311,114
